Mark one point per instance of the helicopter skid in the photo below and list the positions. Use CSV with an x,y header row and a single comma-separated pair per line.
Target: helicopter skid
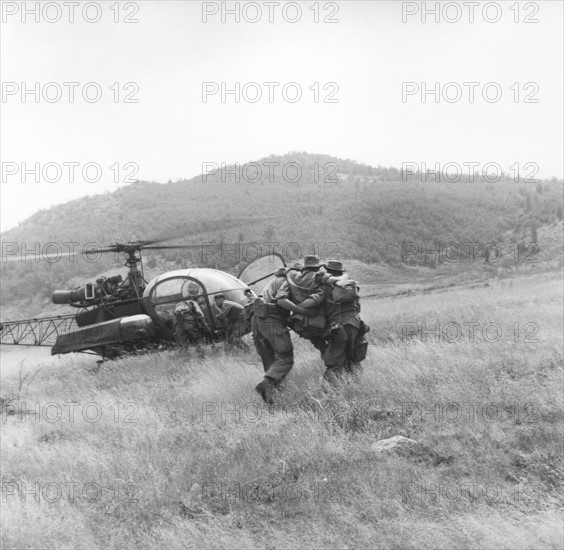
x,y
117,332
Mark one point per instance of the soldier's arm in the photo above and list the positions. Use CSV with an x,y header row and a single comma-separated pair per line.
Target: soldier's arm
x,y
283,299
315,299
224,312
288,305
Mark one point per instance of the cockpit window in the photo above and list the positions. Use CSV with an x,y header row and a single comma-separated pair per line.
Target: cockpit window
x,y
175,289
166,294
191,289
170,289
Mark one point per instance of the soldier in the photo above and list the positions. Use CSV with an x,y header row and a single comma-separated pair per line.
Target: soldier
x,y
269,314
301,278
215,312
189,323
346,346
303,281
233,315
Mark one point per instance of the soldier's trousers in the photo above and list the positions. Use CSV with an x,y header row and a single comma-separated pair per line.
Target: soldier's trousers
x,y
186,332
319,344
313,334
273,344
338,355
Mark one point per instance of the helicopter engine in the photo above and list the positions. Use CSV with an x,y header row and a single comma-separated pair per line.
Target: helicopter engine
x,y
90,293
84,293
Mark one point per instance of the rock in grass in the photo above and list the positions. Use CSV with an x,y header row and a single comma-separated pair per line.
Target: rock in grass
x,y
409,448
398,443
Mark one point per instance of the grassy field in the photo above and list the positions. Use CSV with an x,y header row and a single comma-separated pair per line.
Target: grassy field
x,y
175,450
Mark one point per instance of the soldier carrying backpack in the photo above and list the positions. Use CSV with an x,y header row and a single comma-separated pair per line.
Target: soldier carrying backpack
x,y
346,346
189,324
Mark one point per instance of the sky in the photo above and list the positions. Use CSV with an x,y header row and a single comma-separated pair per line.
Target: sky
x,y
369,60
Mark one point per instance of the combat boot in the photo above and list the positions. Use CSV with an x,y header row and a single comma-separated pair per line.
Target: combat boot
x,y
267,390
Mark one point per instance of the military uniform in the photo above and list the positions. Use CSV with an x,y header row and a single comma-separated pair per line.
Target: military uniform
x,y
344,327
271,335
215,311
344,322
233,315
304,283
189,323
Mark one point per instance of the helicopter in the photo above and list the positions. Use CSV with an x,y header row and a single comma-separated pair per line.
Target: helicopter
x,y
118,316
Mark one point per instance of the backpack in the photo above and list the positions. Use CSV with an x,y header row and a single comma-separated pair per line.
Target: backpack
x,y
344,292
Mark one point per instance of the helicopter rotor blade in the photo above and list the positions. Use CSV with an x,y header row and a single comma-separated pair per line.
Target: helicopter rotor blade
x,y
29,257
155,240
173,246
101,250
158,240
149,244
25,256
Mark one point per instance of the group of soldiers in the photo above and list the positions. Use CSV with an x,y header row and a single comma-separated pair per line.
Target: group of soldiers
x,y
190,325
320,306
317,301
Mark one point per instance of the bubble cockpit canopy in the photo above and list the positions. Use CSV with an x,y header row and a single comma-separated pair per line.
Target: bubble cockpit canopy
x,y
200,284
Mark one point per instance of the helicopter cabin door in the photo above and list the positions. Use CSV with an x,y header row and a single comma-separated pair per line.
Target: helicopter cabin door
x,y
260,272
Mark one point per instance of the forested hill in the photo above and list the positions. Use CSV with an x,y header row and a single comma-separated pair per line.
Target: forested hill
x,y
337,207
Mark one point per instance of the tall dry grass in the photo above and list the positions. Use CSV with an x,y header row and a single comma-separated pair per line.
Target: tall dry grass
x,y
203,464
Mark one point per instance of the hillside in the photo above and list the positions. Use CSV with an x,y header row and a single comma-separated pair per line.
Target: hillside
x,y
336,208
